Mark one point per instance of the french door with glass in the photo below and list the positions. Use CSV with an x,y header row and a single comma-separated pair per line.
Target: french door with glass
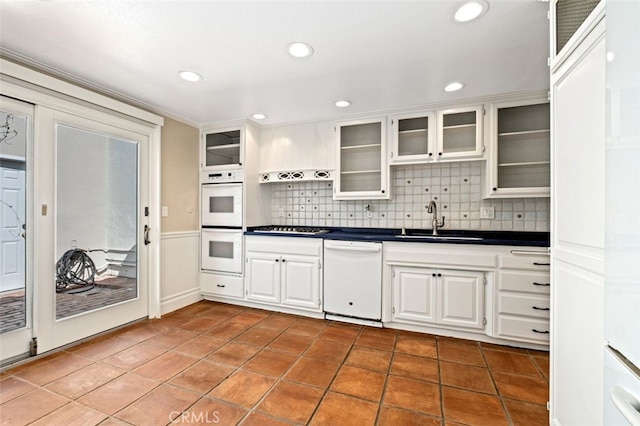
x,y
93,245
16,245
75,223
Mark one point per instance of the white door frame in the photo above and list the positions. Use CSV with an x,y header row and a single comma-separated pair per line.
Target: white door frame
x,y
50,94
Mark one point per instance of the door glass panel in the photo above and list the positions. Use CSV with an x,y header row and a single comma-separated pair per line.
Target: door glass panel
x,y
13,155
459,132
96,221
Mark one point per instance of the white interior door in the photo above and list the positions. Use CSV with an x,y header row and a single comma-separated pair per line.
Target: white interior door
x,y
92,271
12,251
16,121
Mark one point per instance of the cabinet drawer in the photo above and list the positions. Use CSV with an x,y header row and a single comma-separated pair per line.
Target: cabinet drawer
x,y
529,329
222,285
526,259
524,304
527,281
283,245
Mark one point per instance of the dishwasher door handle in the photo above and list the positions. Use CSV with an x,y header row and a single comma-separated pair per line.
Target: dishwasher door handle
x,y
373,249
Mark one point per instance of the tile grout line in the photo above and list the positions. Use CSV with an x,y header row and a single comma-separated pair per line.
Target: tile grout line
x,y
495,385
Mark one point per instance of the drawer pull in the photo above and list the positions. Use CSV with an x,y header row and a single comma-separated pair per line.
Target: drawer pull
x,y
540,309
221,285
541,332
542,284
541,264
534,252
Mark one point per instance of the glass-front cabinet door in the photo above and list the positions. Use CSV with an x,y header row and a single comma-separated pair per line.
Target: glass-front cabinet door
x,y
413,138
222,148
361,160
519,163
460,134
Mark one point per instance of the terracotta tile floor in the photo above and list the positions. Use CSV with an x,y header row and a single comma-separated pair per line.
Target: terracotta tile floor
x,y
212,363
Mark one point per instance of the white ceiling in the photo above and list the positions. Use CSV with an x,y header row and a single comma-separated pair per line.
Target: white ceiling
x,y
380,55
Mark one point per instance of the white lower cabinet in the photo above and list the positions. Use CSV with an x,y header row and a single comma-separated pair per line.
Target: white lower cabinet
x,y
300,281
284,271
263,277
522,303
438,296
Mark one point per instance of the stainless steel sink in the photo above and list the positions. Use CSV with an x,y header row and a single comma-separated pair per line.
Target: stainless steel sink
x,y
440,237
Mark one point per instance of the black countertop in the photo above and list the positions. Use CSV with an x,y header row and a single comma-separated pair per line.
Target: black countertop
x,y
503,238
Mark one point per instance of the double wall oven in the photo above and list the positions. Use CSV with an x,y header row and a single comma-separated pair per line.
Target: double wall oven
x,y
221,218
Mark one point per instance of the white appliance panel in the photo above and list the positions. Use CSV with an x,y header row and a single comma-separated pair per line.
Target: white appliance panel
x,y
222,205
221,250
622,392
353,279
622,247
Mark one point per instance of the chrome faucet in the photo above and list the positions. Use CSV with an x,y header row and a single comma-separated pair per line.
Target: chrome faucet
x,y
433,208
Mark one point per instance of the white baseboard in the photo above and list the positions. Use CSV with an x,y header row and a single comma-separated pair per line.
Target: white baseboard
x,y
180,300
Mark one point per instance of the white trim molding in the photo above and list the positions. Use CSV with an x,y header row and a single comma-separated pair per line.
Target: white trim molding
x,y
179,274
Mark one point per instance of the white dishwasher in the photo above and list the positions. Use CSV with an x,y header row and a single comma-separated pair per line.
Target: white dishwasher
x,y
353,279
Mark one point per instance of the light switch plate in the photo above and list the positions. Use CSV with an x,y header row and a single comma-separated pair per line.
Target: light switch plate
x,y
487,212
165,211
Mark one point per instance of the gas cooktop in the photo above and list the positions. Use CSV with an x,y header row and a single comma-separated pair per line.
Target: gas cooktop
x,y
303,230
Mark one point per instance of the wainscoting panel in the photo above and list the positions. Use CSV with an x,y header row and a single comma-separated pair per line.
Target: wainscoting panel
x,y
179,276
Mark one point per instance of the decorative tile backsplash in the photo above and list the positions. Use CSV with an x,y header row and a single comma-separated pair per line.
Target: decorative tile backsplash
x,y
456,188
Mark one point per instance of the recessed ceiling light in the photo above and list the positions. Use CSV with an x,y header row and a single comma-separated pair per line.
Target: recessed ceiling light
x,y
342,103
452,87
471,10
190,76
300,50
258,116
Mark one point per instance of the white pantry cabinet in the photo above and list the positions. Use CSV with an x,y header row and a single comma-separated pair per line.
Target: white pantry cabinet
x,y
438,296
445,135
361,160
284,271
578,121
519,149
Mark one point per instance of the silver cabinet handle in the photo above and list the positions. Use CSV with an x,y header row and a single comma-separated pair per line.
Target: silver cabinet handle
x,y
627,404
353,248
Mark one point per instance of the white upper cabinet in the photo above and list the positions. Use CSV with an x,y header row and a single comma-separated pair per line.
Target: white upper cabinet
x,y
413,138
459,134
445,135
297,152
222,148
519,151
362,160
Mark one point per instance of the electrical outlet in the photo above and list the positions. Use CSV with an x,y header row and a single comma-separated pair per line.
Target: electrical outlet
x,y
487,212
280,212
165,211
